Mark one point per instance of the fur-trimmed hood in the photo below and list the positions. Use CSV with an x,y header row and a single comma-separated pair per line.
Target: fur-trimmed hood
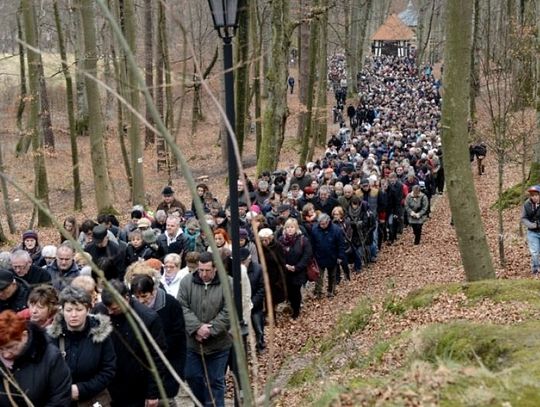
x,y
98,327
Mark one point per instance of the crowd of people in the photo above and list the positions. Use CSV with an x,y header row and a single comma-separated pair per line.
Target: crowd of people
x,y
377,177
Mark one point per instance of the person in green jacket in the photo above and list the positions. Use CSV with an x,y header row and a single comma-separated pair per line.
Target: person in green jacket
x,y
207,329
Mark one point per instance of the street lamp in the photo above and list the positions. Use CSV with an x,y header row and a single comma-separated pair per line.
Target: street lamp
x,y
225,16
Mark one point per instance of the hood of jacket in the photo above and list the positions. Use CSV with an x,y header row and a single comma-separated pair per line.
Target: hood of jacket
x,y
99,327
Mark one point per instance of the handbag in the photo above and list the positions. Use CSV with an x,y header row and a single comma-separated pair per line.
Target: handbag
x,y
313,272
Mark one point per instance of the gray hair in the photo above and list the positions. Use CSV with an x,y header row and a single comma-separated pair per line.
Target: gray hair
x,y
5,259
324,217
75,295
20,254
48,251
161,215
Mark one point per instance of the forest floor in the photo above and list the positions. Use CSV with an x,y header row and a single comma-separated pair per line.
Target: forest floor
x,y
294,345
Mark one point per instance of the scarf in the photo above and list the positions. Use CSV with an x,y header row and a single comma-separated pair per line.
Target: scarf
x,y
288,241
354,213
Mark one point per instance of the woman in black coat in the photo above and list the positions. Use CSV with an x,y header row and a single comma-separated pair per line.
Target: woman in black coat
x,y
275,266
34,363
297,253
87,345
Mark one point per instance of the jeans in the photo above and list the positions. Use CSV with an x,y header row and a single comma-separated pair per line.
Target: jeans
x,y
533,239
207,371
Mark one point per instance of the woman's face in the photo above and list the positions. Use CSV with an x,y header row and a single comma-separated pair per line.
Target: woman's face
x,y
290,230
68,226
266,240
146,298
171,267
220,240
30,243
39,313
12,349
75,315
337,215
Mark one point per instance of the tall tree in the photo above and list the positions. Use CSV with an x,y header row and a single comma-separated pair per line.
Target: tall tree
x,y
130,32
256,39
241,78
41,187
70,105
303,65
321,114
22,70
103,187
313,54
276,112
535,165
149,138
5,195
472,240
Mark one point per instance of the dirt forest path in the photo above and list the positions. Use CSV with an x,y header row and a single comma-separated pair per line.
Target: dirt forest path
x,y
400,269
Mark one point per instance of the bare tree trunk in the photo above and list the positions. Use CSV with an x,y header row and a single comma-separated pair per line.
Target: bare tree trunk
x,y
241,76
77,197
41,186
103,194
313,51
535,165
303,66
275,115
137,156
475,77
472,241
5,195
321,114
45,110
161,147
256,39
353,66
22,70
149,138
82,117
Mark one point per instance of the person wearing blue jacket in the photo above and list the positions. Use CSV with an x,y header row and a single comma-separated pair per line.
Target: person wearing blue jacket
x,y
329,248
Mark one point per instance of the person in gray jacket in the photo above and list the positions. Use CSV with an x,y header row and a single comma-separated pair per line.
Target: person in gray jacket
x,y
207,330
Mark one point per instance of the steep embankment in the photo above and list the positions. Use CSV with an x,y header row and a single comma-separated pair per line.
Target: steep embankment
x,y
380,340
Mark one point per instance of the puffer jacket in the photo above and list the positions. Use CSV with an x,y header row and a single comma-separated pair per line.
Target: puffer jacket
x,y
89,353
41,372
205,304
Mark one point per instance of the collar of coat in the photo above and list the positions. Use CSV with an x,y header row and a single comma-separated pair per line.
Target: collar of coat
x,y
99,327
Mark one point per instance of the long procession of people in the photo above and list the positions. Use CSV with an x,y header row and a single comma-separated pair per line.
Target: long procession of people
x,y
377,176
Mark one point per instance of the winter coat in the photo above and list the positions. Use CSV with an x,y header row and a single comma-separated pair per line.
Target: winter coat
x,y
328,245
111,259
41,372
133,382
18,301
297,253
326,206
174,204
275,266
36,276
254,272
60,279
89,353
174,285
418,205
144,252
395,198
172,317
530,216
204,304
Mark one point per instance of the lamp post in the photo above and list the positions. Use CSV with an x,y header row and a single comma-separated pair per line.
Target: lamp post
x,y
225,16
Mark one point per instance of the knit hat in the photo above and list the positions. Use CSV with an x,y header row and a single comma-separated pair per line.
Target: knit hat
x,y
149,236
144,223
243,234
30,234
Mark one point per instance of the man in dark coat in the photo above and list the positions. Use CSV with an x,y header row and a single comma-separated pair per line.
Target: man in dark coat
x,y
63,269
21,263
329,249
109,256
254,271
134,384
395,209
14,291
170,203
